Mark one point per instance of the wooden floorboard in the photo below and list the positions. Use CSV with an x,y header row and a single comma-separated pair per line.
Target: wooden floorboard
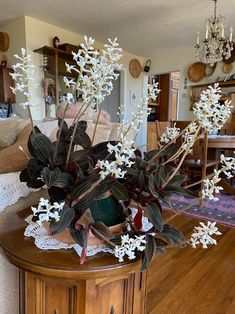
x,y
194,280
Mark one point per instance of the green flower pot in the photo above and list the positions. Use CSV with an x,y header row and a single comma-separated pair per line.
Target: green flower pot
x,y
107,210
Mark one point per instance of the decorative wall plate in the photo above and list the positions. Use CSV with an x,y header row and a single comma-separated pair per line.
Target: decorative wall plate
x,y
135,68
227,68
4,41
197,71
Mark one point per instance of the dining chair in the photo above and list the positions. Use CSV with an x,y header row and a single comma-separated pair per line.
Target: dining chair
x,y
161,127
197,166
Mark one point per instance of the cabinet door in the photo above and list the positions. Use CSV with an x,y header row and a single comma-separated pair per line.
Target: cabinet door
x,y
123,294
6,81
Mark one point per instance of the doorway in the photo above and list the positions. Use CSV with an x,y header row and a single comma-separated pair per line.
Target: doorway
x,y
166,106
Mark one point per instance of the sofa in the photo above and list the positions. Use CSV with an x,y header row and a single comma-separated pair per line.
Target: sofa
x,y
15,195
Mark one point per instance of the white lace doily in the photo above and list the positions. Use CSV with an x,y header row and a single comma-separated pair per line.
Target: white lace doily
x,y
45,242
11,189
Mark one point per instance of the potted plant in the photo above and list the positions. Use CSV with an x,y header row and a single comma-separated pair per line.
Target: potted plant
x,y
95,187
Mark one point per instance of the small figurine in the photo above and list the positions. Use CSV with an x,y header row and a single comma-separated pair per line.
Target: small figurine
x,y
56,42
3,63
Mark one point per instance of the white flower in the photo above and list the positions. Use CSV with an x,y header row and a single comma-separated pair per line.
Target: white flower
x,y
123,153
128,247
46,211
23,76
153,91
203,235
96,70
211,114
169,135
69,82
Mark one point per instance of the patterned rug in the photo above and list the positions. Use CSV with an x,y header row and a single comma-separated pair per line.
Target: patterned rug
x,y
222,211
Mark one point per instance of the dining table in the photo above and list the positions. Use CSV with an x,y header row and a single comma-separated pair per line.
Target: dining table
x,y
217,145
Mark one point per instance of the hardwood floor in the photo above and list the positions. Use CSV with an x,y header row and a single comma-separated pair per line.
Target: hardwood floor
x,y
188,281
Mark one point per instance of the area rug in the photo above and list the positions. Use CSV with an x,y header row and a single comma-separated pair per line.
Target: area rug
x,y
222,211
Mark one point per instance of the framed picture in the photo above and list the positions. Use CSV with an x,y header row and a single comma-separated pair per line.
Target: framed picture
x,y
194,94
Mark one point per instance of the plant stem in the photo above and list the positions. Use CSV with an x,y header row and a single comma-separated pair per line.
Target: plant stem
x,y
180,163
96,124
78,116
172,141
31,118
182,210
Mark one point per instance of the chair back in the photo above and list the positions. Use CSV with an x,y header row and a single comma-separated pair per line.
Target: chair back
x,y
161,127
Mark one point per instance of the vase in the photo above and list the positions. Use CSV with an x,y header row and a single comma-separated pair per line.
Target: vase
x,y
107,210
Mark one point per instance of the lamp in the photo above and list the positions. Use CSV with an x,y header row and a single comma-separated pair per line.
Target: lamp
x,y
215,46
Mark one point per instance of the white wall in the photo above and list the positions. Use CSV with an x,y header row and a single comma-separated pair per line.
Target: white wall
x,y
32,34
180,60
16,32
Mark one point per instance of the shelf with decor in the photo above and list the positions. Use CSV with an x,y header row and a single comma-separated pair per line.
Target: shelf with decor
x,y
55,68
195,91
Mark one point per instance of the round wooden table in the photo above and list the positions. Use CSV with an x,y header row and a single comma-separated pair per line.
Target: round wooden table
x,y
55,283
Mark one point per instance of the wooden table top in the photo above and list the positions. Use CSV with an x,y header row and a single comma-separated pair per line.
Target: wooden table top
x,y
221,141
22,252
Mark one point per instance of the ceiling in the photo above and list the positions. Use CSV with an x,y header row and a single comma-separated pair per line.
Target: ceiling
x,y
143,27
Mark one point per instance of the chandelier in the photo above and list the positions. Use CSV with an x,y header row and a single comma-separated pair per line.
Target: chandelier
x,y
215,46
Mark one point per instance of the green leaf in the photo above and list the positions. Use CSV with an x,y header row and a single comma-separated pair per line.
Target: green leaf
x,y
171,150
155,216
100,230
64,180
141,179
66,217
34,168
64,130
149,155
151,185
81,187
79,236
81,138
149,252
82,125
173,235
159,176
85,201
141,164
35,183
50,176
119,191
78,154
171,190
177,180
42,146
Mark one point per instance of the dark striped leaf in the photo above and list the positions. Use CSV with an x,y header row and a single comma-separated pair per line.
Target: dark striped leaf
x,y
149,252
66,217
155,216
100,230
42,147
64,180
173,235
50,176
79,236
81,187
119,191
81,138
85,219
